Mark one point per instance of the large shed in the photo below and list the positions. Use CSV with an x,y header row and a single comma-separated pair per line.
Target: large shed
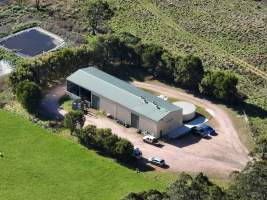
x,y
124,101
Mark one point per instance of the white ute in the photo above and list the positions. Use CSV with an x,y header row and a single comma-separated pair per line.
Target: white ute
x,y
150,139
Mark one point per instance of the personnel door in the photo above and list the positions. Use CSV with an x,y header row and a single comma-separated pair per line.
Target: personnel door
x,y
95,102
134,120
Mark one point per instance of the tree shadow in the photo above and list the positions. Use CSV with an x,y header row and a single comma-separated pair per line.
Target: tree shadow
x,y
129,73
250,110
140,165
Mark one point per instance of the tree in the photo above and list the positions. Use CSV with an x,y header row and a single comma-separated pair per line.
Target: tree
x,y
37,4
74,120
87,135
251,183
109,144
221,85
124,150
149,195
97,12
29,95
151,58
101,135
167,70
189,72
110,50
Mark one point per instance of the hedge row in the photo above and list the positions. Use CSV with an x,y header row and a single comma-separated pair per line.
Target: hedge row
x,y
104,141
115,54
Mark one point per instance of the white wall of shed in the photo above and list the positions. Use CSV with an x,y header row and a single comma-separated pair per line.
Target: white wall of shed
x,y
149,125
170,122
108,106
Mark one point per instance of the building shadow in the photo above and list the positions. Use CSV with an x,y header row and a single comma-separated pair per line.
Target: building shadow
x,y
184,141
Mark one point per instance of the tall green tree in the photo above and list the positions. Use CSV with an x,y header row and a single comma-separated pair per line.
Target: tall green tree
x,y
29,95
151,58
97,13
189,72
124,150
220,85
251,183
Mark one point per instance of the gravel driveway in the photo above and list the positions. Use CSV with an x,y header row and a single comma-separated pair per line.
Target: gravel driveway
x,y
221,155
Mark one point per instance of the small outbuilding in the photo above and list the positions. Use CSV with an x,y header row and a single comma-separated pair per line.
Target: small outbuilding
x,y
124,101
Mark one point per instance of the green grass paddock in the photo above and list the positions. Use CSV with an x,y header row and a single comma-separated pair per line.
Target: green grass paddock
x,y
40,165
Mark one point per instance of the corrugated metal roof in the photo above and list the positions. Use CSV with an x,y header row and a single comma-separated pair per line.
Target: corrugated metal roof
x,y
122,93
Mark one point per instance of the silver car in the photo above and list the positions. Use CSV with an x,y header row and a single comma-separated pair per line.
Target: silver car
x,y
157,161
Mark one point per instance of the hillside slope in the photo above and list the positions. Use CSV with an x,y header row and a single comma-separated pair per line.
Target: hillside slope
x,y
228,34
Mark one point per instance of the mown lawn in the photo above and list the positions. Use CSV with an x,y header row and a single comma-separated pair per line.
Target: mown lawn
x,y
40,165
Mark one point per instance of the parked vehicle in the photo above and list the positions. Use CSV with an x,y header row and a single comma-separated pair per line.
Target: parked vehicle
x,y
203,130
137,153
157,161
119,122
109,116
77,105
150,139
126,125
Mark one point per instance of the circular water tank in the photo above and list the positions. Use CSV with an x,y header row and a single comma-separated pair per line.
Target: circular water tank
x,y
189,109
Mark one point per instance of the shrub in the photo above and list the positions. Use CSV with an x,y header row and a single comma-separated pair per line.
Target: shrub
x,y
97,13
189,72
87,135
124,150
101,135
221,85
104,141
29,95
251,183
22,26
63,99
151,57
52,66
109,144
74,120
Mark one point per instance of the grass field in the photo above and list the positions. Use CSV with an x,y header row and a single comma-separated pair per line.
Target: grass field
x,y
39,165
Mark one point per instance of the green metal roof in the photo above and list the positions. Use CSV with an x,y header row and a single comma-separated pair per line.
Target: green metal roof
x,y
122,93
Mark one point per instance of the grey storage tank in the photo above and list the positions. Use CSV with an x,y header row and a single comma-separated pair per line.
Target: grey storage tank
x,y
189,109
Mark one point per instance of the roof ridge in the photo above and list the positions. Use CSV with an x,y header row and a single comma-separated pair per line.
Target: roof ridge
x,y
150,100
107,81
122,92
151,103
128,92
